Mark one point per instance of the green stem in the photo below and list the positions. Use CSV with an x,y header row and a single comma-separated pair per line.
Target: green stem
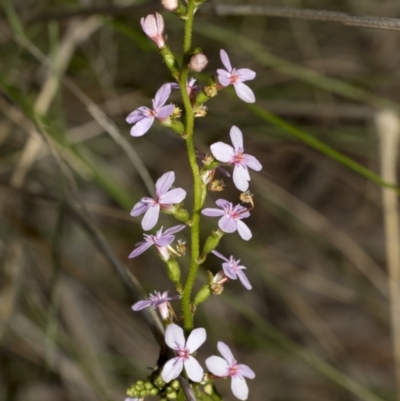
x,y
197,181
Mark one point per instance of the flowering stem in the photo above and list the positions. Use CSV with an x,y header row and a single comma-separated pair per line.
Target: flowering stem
x,y
197,181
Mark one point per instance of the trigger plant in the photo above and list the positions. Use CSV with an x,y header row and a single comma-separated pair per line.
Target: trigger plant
x,y
181,358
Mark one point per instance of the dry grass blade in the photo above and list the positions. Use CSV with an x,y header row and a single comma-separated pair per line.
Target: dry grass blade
x,y
361,260
388,127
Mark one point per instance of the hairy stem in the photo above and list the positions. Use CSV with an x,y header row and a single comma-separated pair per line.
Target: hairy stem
x,y
197,182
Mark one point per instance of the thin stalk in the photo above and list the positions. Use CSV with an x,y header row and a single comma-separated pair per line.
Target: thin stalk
x,y
197,182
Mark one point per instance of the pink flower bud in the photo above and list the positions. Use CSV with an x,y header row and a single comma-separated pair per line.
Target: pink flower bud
x,y
153,27
198,62
170,5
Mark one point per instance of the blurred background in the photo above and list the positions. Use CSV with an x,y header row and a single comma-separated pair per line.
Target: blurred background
x,y
318,323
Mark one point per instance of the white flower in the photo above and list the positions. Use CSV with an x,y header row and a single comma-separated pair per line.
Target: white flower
x,y
176,340
228,367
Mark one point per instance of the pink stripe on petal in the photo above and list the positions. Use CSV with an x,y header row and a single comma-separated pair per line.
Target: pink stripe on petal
x,y
227,224
225,60
164,183
141,127
243,230
244,92
222,152
236,138
151,217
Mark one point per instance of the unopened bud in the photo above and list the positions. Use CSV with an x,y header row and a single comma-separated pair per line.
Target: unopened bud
x,y
198,62
170,5
202,295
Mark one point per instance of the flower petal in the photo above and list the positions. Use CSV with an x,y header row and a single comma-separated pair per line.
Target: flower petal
x,y
246,371
245,74
224,77
176,195
244,280
196,339
151,217
217,366
243,230
161,96
226,352
225,60
236,138
252,162
240,175
140,249
165,240
193,369
212,212
164,112
142,126
223,204
239,388
137,115
140,208
174,337
244,92
141,305
172,369
222,152
227,224
174,229
229,272
216,253
164,183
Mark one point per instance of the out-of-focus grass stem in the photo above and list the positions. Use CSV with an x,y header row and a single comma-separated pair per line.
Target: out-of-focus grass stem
x,y
388,127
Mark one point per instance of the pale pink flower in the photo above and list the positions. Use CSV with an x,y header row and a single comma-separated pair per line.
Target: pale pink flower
x,y
160,240
234,155
231,218
158,300
228,367
175,339
153,27
165,199
143,117
233,270
234,77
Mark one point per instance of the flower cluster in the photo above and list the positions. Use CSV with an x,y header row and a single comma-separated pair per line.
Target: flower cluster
x,y
169,200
